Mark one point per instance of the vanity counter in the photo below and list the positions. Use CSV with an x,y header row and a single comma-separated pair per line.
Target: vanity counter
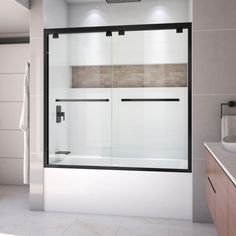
x,y
225,159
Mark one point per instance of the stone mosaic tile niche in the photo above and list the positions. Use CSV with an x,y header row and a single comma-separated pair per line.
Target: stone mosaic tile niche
x,y
130,76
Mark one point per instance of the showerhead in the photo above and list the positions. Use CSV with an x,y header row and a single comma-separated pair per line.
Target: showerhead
x,y
122,1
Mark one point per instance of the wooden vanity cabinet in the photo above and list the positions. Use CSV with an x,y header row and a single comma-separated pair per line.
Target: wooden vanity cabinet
x,y
232,209
209,185
221,198
221,212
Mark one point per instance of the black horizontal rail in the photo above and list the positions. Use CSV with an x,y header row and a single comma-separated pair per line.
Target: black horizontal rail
x,y
150,99
82,100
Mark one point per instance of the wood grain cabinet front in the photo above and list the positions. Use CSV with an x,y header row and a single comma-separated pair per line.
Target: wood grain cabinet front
x,y
221,211
232,209
221,197
210,185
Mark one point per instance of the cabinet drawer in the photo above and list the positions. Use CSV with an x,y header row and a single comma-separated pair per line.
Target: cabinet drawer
x,y
232,209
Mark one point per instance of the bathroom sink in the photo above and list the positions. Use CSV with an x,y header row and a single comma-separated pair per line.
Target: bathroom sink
x,y
229,143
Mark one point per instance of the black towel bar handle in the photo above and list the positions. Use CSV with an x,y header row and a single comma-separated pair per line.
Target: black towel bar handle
x,y
150,99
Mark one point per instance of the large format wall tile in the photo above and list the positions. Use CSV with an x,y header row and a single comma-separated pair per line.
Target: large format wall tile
x,y
11,87
36,124
14,62
11,144
36,58
11,171
36,182
200,208
207,120
10,115
36,114
214,67
36,16
214,14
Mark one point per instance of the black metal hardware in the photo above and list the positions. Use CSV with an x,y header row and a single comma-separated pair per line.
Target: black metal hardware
x,y
109,33
63,152
179,30
211,185
150,99
121,32
82,100
55,36
59,114
229,104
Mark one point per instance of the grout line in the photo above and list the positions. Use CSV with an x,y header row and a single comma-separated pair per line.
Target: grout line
x,y
10,129
63,232
15,73
217,94
169,230
119,226
214,30
11,101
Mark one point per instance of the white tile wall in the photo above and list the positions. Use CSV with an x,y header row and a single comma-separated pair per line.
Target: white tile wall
x,y
11,171
11,144
13,59
10,115
9,92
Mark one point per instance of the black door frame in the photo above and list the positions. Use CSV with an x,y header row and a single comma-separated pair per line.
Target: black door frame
x,y
119,28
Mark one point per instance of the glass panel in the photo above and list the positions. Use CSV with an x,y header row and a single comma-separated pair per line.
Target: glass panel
x,y
120,100
151,93
80,81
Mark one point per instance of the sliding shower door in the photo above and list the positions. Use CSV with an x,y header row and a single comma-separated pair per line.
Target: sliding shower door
x,y
80,93
118,97
152,99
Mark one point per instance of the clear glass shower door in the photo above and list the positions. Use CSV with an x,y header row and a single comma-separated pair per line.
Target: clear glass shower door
x,y
80,94
119,99
150,96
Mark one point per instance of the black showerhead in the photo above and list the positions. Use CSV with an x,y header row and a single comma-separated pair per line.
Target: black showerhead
x,y
122,1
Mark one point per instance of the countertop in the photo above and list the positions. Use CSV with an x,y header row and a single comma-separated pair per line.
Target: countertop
x,y
225,159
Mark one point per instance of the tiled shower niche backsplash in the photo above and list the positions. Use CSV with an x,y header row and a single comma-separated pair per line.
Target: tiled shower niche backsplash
x,y
126,76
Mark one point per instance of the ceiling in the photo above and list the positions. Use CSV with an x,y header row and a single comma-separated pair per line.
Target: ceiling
x,y
14,18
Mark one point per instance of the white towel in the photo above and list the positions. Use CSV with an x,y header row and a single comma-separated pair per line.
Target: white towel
x,y
228,126
24,123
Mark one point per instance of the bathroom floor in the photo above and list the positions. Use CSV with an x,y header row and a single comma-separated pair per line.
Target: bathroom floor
x,y
17,220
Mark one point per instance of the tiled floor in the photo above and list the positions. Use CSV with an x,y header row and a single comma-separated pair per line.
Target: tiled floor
x,y
17,220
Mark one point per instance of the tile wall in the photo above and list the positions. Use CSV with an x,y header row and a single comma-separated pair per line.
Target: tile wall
x,y
214,82
12,68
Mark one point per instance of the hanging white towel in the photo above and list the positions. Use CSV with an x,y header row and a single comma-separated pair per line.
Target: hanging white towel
x,y
24,123
228,126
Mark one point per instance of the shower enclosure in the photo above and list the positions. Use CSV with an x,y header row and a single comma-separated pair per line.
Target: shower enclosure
x,y
118,97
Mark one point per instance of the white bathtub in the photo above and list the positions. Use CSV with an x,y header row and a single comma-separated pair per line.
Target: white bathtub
x,y
121,162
